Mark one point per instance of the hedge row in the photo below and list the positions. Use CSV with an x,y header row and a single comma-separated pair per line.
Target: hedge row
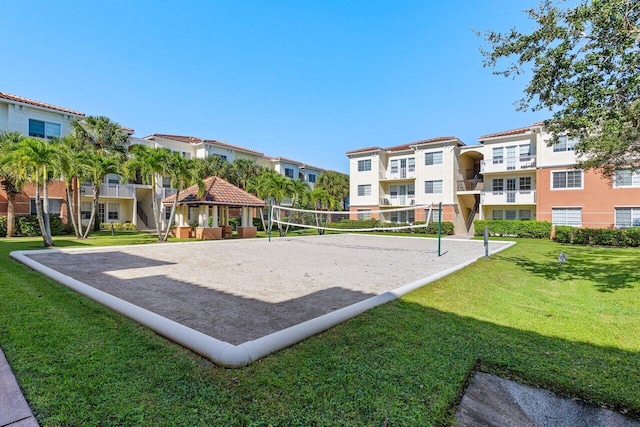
x,y
531,229
432,228
598,236
118,226
27,226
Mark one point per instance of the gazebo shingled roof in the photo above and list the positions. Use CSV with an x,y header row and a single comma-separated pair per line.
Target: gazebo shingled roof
x,y
217,192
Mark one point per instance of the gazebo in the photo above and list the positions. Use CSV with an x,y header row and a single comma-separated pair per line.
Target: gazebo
x,y
219,197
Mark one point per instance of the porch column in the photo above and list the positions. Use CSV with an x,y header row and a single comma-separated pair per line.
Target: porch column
x,y
244,219
200,216
205,216
135,212
215,216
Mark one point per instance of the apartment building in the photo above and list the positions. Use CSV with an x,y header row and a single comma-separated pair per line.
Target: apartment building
x,y
419,173
512,175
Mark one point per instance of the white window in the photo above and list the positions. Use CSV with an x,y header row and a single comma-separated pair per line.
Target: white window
x,y
433,187
42,129
498,156
364,190
525,152
112,179
497,214
85,210
510,215
497,185
167,213
627,217
55,206
166,182
393,191
525,183
411,164
364,165
364,214
567,179
524,214
564,143
411,191
113,211
566,216
627,179
393,166
288,172
434,158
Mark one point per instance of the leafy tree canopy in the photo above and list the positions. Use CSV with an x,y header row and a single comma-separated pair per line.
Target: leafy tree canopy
x,y
585,63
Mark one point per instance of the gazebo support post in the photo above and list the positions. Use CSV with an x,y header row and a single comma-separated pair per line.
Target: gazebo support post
x,y
247,231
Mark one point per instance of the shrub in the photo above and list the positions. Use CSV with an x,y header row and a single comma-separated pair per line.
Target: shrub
x,y
354,223
564,234
3,226
529,228
118,226
598,236
27,226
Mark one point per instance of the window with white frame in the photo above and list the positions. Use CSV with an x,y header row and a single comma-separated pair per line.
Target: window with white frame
x,y
434,158
85,210
498,155
311,178
411,191
525,183
524,214
411,164
113,211
288,172
567,216
364,165
510,215
55,206
364,214
433,187
167,213
497,184
42,129
626,178
393,166
564,143
627,217
566,179
497,214
364,190
525,152
112,179
393,191
166,182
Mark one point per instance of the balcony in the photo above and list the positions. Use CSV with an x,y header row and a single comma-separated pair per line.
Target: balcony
x,y
397,175
470,184
398,201
110,190
507,164
166,192
517,197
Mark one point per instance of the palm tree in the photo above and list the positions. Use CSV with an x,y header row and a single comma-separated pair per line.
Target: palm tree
x,y
183,173
336,185
270,185
10,182
210,166
69,161
32,159
99,165
241,171
105,136
300,193
149,163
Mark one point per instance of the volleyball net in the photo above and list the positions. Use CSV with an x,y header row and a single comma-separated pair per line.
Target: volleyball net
x,y
410,219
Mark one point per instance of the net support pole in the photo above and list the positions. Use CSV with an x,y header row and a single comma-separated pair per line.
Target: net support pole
x,y
439,227
269,219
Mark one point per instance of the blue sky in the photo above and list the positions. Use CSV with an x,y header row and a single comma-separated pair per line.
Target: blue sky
x,y
307,80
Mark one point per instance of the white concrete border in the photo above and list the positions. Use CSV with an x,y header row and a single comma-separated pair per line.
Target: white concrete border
x,y
220,352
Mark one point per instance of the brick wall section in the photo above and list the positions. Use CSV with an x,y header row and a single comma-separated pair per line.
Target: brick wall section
x,y
56,190
598,199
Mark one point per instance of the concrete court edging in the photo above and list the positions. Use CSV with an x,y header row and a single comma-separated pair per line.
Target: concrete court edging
x,y
220,352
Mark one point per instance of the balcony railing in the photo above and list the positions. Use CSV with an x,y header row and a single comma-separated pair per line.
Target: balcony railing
x,y
470,185
520,197
501,164
398,201
110,190
399,174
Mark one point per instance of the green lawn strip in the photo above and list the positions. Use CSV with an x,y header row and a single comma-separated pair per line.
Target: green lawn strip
x,y
573,330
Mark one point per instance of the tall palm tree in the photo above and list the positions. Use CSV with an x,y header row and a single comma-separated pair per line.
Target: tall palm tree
x,y
69,161
32,159
99,165
270,185
105,137
336,185
149,163
241,171
10,181
210,166
183,173
300,193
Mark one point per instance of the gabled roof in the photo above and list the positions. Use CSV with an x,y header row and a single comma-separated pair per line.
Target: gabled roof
x,y
363,150
512,132
436,140
28,101
294,162
217,192
195,141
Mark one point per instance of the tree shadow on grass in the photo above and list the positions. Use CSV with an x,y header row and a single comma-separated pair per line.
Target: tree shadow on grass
x,y
608,271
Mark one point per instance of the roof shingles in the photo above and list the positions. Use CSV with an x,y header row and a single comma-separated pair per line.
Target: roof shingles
x,y
23,100
217,192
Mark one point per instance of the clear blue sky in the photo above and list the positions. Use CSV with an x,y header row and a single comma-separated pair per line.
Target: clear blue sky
x,y
307,80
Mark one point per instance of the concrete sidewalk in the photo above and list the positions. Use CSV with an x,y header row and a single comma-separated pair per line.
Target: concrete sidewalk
x,y
14,410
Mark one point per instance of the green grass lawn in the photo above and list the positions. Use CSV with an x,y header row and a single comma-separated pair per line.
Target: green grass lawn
x,y
575,330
